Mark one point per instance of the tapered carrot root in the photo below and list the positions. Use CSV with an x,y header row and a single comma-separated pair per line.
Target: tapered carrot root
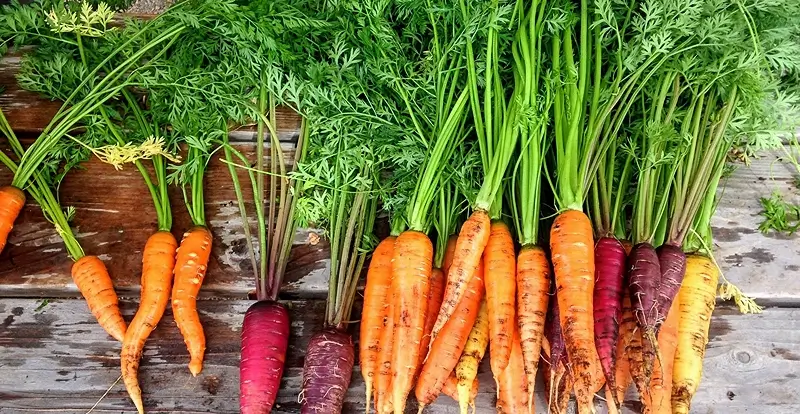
x,y
446,349
158,263
327,369
533,294
696,304
12,199
435,297
572,250
466,371
190,270
450,389
623,368
610,271
265,339
472,240
93,281
661,383
557,378
644,276
499,274
375,312
672,261
383,382
411,272
635,353
512,386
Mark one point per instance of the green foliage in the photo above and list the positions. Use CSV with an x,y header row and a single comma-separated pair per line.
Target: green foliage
x,y
779,215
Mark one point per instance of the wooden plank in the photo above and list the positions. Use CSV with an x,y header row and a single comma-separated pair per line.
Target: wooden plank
x,y
55,356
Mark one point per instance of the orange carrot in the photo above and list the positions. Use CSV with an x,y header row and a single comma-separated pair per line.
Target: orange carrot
x,y
12,199
472,240
499,274
435,297
158,263
383,383
572,247
622,370
93,281
375,312
446,349
533,288
634,350
661,383
512,386
190,269
449,252
411,273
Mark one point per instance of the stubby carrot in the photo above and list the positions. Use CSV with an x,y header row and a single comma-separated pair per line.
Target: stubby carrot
x,y
158,263
412,265
93,281
327,368
661,383
375,312
190,269
696,299
466,371
265,338
446,349
472,240
435,297
533,294
499,274
572,247
12,199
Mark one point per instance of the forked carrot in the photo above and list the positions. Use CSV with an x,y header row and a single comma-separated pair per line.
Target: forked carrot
x,y
512,386
93,281
661,383
500,279
411,272
12,199
158,263
190,269
533,294
466,371
375,312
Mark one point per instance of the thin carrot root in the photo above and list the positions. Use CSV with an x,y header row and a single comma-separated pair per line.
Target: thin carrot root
x,y
190,269
533,287
93,281
512,386
499,274
466,371
12,199
661,383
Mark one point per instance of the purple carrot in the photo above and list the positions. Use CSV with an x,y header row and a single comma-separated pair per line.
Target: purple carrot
x,y
609,257
558,360
672,260
265,337
326,372
644,275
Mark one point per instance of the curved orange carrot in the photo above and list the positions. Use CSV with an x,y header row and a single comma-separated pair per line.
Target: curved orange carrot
x,y
12,199
499,274
512,386
375,312
661,383
533,294
411,273
446,349
449,253
572,247
93,281
435,297
472,240
190,269
158,262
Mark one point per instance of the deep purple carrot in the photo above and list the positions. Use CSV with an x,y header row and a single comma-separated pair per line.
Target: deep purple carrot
x,y
558,359
608,290
326,372
672,260
644,275
265,337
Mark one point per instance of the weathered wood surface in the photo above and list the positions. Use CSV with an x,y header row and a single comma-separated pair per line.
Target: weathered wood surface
x,y
56,357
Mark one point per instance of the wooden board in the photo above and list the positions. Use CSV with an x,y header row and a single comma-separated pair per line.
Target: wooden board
x,y
55,356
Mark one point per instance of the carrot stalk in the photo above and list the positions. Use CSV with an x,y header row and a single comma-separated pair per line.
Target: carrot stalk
x,y
93,281
533,288
12,200
499,273
265,339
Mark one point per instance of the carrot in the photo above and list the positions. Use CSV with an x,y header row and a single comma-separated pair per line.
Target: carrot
x,y
450,389
558,379
500,269
696,304
93,281
158,263
622,373
672,261
644,275
375,312
637,369
327,368
411,272
466,371
449,253
190,269
533,287
435,297
12,199
661,383
472,240
512,386
572,246
446,349
610,271
265,339
383,382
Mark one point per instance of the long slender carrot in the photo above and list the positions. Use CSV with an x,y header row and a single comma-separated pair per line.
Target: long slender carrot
x,y
696,299
572,247
411,272
446,349
472,240
466,371
190,269
158,263
499,273
375,312
383,382
533,288
12,199
93,281
623,367
435,296
512,386
661,383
